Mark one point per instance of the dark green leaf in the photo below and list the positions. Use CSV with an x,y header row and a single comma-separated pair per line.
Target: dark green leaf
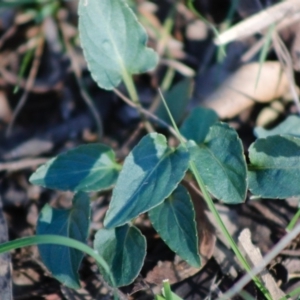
x,y
86,168
197,124
177,99
174,220
290,126
274,170
149,175
124,249
63,262
221,163
113,42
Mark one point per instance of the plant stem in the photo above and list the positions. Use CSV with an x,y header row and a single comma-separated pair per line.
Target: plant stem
x,y
224,230
190,5
130,86
58,240
294,292
133,95
167,289
213,209
293,221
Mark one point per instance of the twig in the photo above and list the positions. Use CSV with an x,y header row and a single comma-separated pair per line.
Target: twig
x,y
132,137
266,260
10,32
146,112
77,72
22,164
284,12
178,66
29,83
287,64
38,88
287,252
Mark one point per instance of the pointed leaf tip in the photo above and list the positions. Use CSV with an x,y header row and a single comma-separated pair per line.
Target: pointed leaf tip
x,y
124,249
196,126
85,168
174,220
220,161
150,173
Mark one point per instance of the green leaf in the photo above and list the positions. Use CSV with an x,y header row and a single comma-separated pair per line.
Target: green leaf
x,y
113,42
86,168
221,163
197,124
290,126
177,99
274,170
63,262
124,250
149,175
176,297
174,220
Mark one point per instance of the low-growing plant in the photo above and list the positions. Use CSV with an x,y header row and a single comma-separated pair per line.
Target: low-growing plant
x,y
114,45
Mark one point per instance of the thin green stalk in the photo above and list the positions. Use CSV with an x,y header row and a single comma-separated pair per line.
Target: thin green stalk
x,y
295,292
167,290
168,78
163,38
293,221
190,5
225,26
224,230
215,212
264,51
179,136
25,62
58,240
130,86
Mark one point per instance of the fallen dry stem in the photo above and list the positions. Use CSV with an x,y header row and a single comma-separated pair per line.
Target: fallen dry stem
x,y
287,64
266,260
22,164
284,14
145,112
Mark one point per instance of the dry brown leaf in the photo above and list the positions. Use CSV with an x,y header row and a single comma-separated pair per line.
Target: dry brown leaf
x,y
163,270
206,231
240,92
270,113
